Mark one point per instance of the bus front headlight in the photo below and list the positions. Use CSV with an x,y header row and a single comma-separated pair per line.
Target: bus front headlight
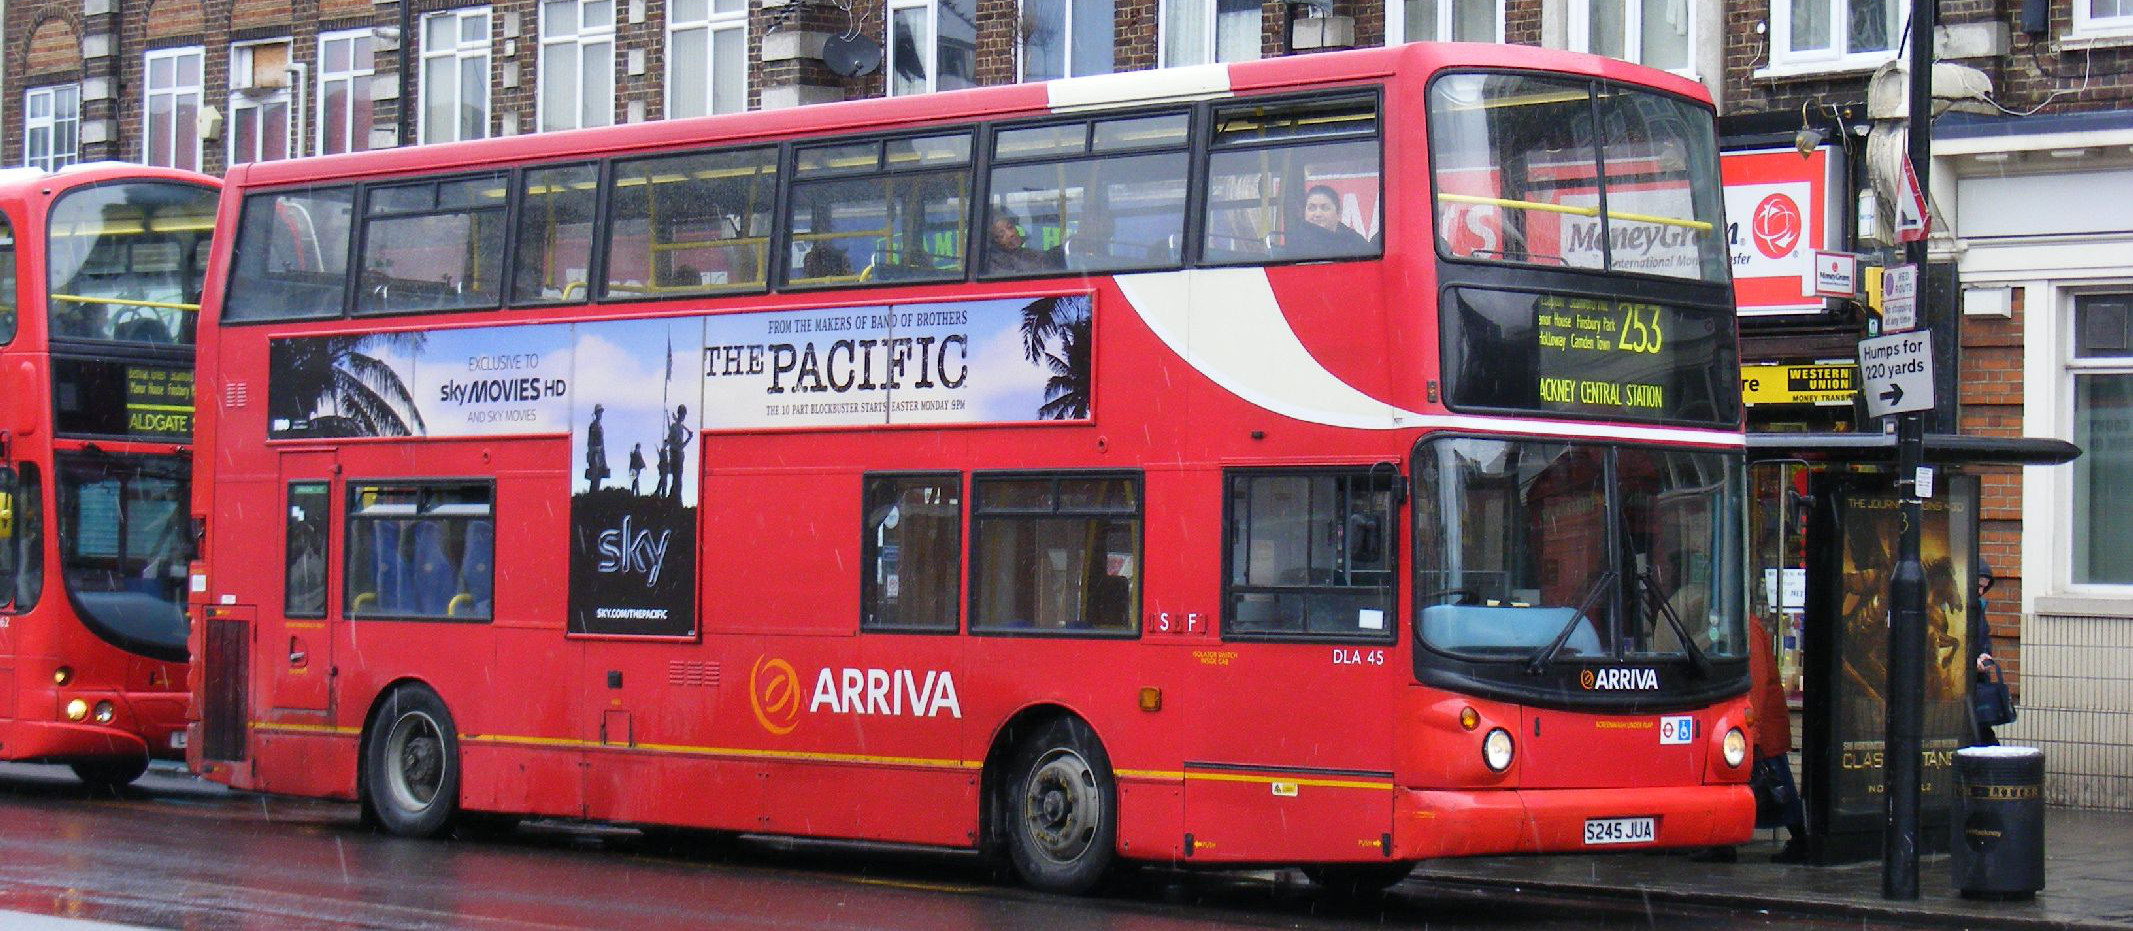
x,y
1496,750
77,710
1736,748
104,712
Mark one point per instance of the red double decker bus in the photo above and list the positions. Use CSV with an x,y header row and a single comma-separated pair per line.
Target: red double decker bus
x,y
100,269
1332,461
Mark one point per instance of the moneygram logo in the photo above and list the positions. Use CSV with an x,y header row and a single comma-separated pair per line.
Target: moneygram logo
x,y
1776,226
774,693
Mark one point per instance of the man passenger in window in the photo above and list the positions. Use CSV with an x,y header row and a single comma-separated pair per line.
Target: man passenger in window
x,y
1322,234
1010,253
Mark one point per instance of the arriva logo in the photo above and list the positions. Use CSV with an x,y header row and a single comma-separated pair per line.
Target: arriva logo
x,y
885,692
774,691
1620,680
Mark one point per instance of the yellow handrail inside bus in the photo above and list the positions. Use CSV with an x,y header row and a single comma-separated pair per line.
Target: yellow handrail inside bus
x,y
451,608
1697,225
124,302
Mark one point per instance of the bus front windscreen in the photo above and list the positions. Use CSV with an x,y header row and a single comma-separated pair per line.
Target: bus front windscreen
x,y
1539,554
124,547
125,261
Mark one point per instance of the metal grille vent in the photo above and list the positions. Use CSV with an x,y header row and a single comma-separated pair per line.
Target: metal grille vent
x,y
693,673
236,394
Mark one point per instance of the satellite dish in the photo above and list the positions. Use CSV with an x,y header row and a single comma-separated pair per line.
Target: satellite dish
x,y
851,55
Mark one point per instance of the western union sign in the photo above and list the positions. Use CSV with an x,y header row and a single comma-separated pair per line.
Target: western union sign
x,y
1833,383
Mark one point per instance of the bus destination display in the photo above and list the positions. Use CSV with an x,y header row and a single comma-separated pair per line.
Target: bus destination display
x,y
1589,356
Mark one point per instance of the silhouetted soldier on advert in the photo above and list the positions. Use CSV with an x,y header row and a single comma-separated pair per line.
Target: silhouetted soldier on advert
x,y
596,450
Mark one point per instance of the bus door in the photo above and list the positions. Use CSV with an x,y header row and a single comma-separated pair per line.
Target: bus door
x,y
295,643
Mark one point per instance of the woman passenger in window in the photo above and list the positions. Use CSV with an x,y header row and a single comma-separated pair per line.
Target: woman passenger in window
x,y
1322,234
1010,253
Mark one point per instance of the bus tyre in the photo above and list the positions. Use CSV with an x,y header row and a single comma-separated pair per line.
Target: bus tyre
x,y
1353,880
1061,809
411,764
111,775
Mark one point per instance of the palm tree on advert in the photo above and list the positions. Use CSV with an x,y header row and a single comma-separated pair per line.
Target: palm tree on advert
x,y
343,389
1056,334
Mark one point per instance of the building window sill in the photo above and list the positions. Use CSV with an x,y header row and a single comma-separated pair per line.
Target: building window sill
x,y
1823,70
2099,605
2097,38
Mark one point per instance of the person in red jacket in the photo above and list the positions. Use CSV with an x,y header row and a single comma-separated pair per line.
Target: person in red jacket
x,y
1778,797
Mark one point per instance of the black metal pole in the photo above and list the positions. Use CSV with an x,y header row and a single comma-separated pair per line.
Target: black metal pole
x,y
1907,585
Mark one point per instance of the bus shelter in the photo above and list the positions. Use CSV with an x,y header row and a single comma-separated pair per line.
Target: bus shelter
x,y
1824,525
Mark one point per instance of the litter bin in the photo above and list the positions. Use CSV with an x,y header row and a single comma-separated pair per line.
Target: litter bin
x,y
1999,822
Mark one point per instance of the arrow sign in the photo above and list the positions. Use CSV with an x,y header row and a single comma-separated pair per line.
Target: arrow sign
x,y
1896,372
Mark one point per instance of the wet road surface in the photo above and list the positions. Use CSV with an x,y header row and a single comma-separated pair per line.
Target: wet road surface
x,y
174,852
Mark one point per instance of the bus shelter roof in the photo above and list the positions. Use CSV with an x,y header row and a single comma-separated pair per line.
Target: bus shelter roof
x,y
1945,449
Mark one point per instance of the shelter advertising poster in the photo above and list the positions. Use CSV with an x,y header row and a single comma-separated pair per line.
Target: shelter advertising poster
x,y
1869,523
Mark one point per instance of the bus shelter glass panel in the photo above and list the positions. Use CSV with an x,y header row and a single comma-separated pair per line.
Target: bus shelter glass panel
x,y
692,224
291,255
125,262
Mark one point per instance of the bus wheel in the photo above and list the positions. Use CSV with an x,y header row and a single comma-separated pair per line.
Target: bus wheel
x,y
1358,879
411,764
1062,809
111,775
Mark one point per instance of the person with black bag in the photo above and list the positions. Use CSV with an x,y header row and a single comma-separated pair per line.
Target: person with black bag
x,y
1990,703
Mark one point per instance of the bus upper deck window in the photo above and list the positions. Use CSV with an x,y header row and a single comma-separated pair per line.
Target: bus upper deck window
x,y
1519,177
123,261
291,255
433,245
1294,181
688,224
879,212
1106,195
7,282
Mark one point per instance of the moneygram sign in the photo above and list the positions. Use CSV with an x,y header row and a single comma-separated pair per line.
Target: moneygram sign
x,y
1779,209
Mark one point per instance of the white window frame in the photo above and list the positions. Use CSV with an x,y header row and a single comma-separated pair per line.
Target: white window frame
x,y
1633,31
55,119
578,40
175,91
931,54
241,80
1067,33
355,76
2070,368
1838,56
2088,25
1210,23
713,23
462,50
1398,31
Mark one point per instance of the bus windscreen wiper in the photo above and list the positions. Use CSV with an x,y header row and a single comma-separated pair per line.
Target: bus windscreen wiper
x,y
1539,663
1650,587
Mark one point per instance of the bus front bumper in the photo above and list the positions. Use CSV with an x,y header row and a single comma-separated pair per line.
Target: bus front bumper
x,y
1434,823
67,742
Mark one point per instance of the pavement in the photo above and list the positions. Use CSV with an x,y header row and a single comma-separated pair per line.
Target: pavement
x,y
2088,881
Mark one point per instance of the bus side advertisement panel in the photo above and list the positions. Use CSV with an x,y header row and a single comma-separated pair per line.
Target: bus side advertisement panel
x,y
634,396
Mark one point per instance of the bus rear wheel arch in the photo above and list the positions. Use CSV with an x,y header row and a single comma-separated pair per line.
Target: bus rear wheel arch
x,y
1057,806
410,772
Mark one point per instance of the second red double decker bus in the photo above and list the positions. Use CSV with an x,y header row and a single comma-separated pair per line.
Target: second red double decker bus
x,y
1330,461
100,269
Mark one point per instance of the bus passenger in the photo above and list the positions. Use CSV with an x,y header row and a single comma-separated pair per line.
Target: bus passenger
x,y
1009,252
1322,233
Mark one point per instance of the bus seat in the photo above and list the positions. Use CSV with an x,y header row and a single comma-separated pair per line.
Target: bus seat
x,y
434,580
1460,626
477,569
389,572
